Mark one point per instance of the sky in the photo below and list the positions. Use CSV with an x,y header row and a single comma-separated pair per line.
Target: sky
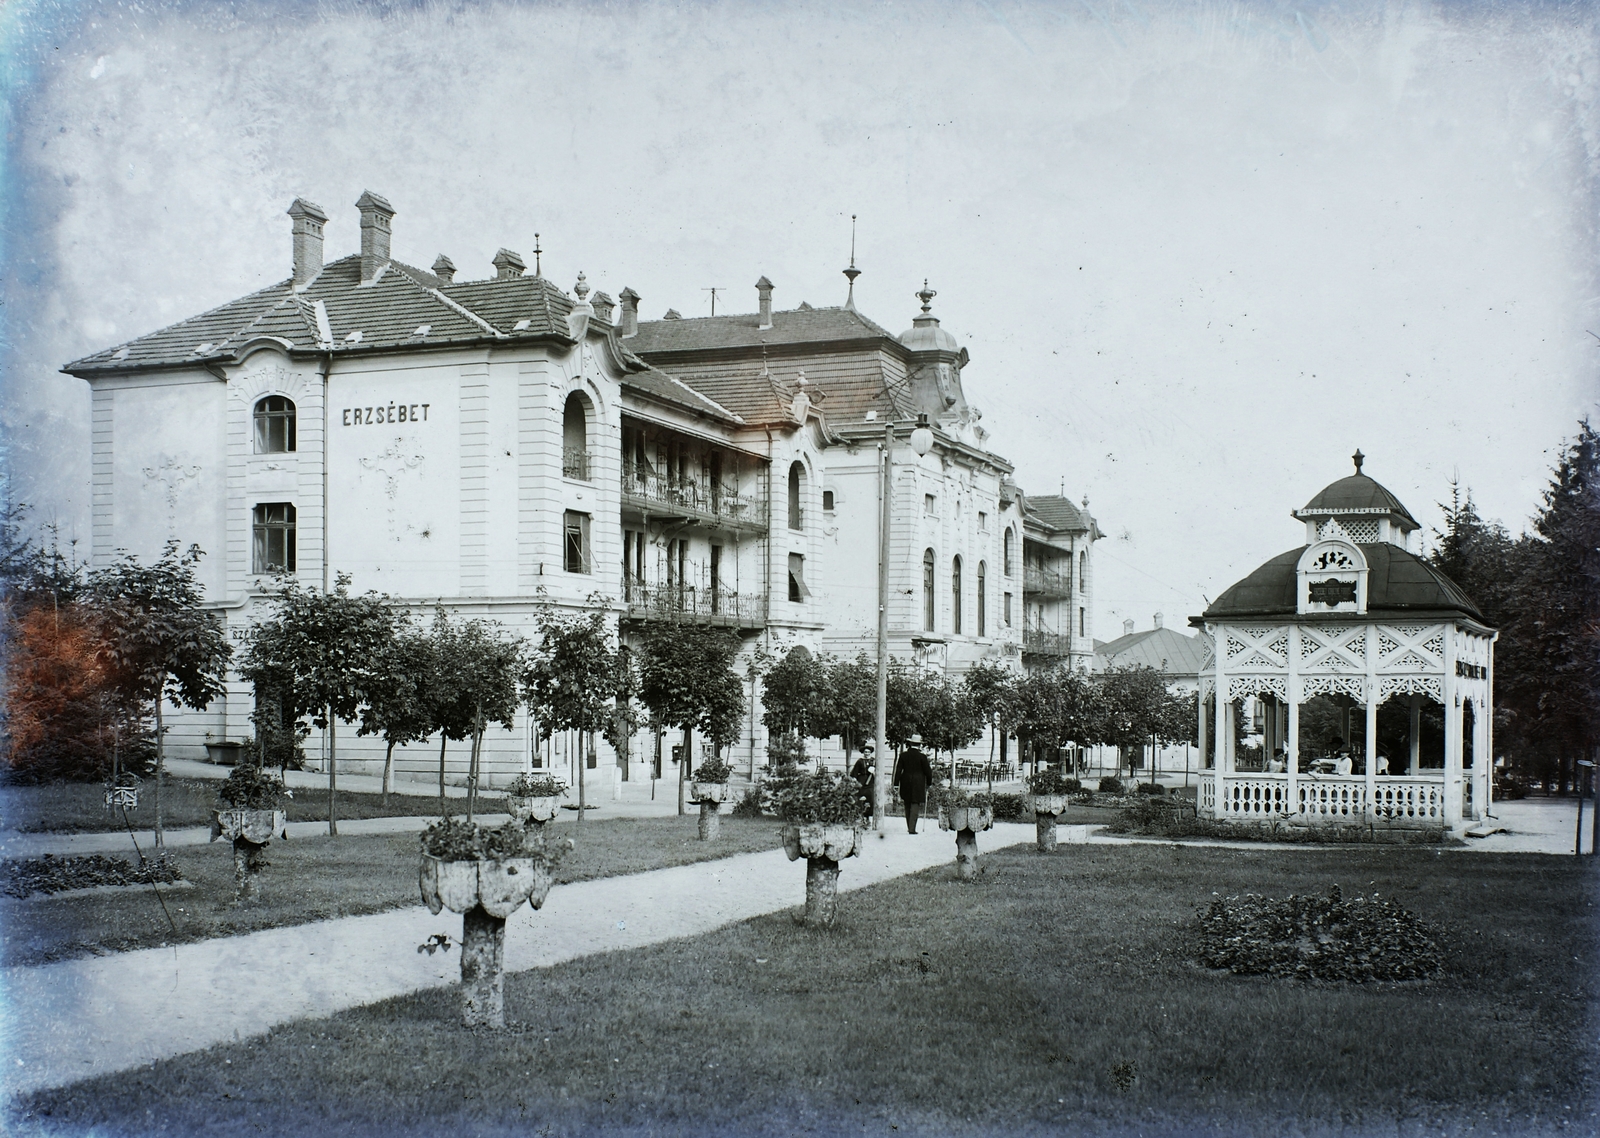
x,y
1199,252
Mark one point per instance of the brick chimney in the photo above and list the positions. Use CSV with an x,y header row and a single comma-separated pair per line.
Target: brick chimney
x,y
308,221
630,312
376,218
764,291
444,268
508,265
1158,620
603,306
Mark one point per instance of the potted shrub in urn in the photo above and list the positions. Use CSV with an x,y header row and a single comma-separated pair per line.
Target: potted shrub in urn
x,y
710,790
1048,791
249,812
968,813
485,875
823,820
534,799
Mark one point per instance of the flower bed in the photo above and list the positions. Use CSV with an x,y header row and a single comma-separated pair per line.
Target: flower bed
x,y
50,874
1141,821
1317,938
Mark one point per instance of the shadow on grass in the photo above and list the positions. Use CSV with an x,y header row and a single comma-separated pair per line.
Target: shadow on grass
x,y
1051,996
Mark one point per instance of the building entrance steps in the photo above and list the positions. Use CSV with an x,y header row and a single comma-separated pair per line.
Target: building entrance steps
x,y
75,1019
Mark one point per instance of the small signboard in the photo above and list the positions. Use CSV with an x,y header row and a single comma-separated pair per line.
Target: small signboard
x,y
1332,592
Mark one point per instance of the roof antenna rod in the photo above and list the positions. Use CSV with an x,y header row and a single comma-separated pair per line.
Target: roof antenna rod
x,y
538,270
852,272
713,292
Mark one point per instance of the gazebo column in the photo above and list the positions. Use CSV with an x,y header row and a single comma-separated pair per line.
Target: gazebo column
x,y
1219,638
1452,734
1292,744
1370,689
1200,733
1415,738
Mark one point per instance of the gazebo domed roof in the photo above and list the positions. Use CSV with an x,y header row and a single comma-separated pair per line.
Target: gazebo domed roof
x,y
1358,492
1399,584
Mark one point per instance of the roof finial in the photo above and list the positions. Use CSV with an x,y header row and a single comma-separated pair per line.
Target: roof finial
x,y
537,269
1358,458
852,272
926,296
581,288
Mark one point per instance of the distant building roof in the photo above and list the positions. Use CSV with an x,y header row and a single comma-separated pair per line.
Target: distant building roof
x,y
1057,512
1164,649
743,330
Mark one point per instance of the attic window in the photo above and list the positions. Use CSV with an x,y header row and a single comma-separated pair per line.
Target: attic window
x,y
521,325
202,349
121,354
354,337
423,330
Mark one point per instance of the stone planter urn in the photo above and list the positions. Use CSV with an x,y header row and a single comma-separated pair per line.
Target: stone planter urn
x,y
1047,808
485,892
824,846
535,810
967,822
710,796
224,752
250,831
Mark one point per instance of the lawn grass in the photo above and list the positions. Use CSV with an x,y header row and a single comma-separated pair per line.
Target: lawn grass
x,y
78,807
309,879
1051,996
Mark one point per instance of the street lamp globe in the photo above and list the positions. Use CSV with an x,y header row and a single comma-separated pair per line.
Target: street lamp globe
x,y
922,436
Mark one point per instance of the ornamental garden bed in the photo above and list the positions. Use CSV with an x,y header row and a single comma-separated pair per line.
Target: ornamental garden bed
x,y
1157,820
914,1013
48,875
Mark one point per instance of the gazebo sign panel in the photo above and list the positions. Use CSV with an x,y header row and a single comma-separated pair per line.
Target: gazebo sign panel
x,y
1332,573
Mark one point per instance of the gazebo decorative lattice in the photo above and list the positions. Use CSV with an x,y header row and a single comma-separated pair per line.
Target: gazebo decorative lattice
x,y
1353,621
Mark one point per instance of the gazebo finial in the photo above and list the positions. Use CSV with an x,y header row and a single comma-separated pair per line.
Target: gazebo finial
x,y
1358,458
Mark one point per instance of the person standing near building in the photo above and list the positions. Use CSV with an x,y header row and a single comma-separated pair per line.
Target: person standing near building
x,y
864,772
912,775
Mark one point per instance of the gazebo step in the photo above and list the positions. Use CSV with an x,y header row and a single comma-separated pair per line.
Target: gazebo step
x,y
1484,829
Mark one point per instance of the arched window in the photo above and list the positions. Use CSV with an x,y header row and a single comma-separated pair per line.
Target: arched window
x,y
983,599
797,476
1083,570
955,595
1007,563
927,590
274,425
575,438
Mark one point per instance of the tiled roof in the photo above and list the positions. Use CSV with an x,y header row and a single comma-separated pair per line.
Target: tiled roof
x,y
743,330
1057,512
1164,649
405,307
1358,492
1398,582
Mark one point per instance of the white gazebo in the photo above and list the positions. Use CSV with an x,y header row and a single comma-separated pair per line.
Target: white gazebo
x,y
1367,676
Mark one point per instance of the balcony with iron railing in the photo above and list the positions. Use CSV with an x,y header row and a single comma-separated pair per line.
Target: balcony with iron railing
x,y
1042,642
694,604
575,463
1045,582
710,501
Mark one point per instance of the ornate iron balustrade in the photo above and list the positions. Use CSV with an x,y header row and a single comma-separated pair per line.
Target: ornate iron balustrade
x,y
691,604
690,497
1039,642
575,463
1045,582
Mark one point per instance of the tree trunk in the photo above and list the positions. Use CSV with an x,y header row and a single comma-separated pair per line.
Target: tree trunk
x,y
161,762
583,764
444,809
388,771
246,865
683,767
1044,826
472,771
710,821
333,780
822,892
966,855
483,978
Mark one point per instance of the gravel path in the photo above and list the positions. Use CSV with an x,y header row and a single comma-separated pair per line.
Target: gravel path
x,y
74,1019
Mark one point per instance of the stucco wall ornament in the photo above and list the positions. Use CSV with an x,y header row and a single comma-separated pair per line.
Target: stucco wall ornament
x,y
172,474
391,464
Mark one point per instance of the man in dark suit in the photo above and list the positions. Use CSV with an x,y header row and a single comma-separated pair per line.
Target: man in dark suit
x,y
912,776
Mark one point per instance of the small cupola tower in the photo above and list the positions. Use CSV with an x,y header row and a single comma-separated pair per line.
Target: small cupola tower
x,y
1365,511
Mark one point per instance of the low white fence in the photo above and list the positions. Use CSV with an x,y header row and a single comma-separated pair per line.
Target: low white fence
x,y
1325,798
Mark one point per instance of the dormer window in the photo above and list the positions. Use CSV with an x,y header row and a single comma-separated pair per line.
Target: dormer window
x,y
274,425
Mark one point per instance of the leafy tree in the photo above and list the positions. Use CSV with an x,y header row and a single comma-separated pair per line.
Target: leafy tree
x,y
475,684
797,696
905,699
577,677
949,719
321,653
990,688
1055,708
1139,709
158,642
687,681
852,701
397,706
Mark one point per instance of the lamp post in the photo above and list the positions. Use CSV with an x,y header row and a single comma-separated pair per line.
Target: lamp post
x,y
921,443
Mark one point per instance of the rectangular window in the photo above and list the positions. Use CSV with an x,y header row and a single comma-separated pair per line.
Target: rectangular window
x,y
827,501
1081,632
983,522
930,504
798,591
1008,610
575,544
273,526
716,578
